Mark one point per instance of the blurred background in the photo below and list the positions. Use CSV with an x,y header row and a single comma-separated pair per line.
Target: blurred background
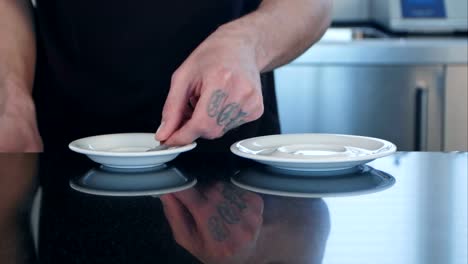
x,y
393,69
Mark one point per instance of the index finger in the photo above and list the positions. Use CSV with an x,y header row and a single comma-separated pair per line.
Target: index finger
x,y
187,134
208,105
191,198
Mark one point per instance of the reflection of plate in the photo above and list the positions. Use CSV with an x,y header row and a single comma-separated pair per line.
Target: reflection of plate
x,y
313,152
363,179
141,182
127,150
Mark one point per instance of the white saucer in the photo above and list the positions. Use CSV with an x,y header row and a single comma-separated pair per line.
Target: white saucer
x,y
364,179
313,152
142,182
127,150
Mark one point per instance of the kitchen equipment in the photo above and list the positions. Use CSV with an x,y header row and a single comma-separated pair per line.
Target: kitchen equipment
x,y
401,104
421,16
360,81
313,152
159,148
127,150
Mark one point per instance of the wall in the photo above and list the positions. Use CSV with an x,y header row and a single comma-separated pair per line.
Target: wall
x,y
351,10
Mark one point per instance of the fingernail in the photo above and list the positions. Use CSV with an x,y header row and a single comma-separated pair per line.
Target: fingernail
x,y
159,128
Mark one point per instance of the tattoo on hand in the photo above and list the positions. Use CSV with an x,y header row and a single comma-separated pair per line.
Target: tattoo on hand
x,y
218,231
225,116
234,123
228,213
229,116
234,197
217,98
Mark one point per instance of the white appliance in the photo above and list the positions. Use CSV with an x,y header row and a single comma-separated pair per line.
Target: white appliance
x,y
421,16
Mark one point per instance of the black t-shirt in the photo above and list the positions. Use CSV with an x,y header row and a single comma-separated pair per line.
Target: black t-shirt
x,y
105,66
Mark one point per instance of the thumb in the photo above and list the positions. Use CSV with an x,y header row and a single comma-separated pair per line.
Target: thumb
x,y
174,109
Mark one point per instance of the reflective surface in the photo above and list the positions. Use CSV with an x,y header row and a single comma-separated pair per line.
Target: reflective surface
x,y
132,182
306,184
422,218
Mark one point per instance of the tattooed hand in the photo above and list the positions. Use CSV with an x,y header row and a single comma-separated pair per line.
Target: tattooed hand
x,y
220,224
215,90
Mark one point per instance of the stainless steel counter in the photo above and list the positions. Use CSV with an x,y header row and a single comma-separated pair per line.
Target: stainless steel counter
x,y
339,46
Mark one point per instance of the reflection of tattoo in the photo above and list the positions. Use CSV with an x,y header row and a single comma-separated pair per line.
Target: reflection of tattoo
x,y
234,197
217,229
215,103
228,213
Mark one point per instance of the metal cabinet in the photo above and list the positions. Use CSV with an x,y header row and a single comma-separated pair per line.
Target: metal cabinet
x,y
456,111
403,104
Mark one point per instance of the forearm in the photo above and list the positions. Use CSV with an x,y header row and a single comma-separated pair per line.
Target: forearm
x,y
280,30
18,128
17,53
17,172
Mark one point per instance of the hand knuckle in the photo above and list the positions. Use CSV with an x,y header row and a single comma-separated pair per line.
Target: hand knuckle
x,y
225,73
256,114
197,125
210,193
212,134
258,99
246,95
249,235
259,107
256,200
196,129
197,120
205,209
251,226
260,111
229,251
258,220
177,75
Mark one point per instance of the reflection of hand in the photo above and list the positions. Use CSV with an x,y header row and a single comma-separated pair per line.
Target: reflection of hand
x,y
215,90
221,224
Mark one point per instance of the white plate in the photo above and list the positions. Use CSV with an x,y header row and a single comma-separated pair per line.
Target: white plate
x,y
363,179
128,150
313,152
142,182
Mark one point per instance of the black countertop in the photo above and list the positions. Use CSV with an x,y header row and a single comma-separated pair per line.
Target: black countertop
x,y
422,218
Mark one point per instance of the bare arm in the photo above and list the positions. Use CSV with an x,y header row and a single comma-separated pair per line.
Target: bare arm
x,y
281,30
218,88
18,129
